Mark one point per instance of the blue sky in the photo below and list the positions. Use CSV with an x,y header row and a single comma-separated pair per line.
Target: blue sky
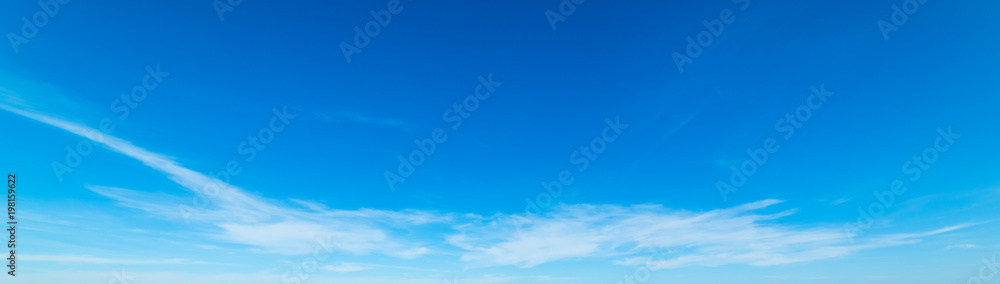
x,y
247,147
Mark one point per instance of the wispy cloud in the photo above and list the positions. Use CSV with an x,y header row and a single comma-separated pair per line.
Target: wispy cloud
x,y
86,259
352,267
346,267
250,220
737,235
724,236
270,278
840,201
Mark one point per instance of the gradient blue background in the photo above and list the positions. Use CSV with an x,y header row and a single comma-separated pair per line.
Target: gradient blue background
x,y
608,59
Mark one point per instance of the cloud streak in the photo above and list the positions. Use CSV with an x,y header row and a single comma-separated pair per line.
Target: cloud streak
x,y
247,219
86,259
737,235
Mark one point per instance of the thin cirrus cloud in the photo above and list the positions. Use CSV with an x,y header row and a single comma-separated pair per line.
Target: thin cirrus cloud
x,y
735,235
346,267
237,213
624,234
100,260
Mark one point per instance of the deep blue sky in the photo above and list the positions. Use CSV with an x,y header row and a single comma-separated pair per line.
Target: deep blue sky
x,y
607,60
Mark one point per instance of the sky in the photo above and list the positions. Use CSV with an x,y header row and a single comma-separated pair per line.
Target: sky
x,y
474,142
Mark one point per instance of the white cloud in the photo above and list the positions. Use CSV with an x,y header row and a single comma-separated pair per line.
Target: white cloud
x,y
840,201
346,267
725,236
68,276
737,235
100,260
251,220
